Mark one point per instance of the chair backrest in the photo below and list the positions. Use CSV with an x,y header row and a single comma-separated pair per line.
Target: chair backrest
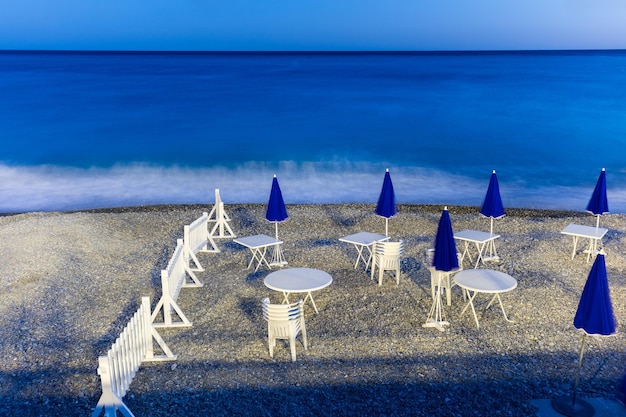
x,y
390,248
430,255
284,318
388,254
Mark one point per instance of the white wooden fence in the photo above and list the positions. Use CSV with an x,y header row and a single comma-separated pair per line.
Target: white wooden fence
x,y
196,239
221,219
118,368
177,275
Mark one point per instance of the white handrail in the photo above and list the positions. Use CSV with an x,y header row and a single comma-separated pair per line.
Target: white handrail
x,y
118,368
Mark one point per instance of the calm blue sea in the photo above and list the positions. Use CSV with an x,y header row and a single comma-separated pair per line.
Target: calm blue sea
x,y
89,130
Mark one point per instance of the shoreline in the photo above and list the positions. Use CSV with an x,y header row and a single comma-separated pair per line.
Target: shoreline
x,y
409,207
73,278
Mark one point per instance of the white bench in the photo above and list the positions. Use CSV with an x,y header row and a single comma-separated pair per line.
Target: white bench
x,y
173,278
196,238
118,368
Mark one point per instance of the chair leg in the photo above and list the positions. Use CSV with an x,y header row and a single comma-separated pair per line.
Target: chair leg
x,y
292,345
271,342
398,276
381,271
303,331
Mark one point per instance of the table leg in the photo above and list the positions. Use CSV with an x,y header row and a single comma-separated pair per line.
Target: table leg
x,y
466,252
575,244
470,303
479,248
310,297
285,297
359,250
497,297
251,259
370,256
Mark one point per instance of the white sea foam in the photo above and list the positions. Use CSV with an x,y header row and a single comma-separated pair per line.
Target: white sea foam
x,y
51,188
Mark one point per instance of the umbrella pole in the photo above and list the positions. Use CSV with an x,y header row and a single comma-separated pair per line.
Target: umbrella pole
x,y
491,230
569,405
435,316
580,362
276,227
386,226
597,221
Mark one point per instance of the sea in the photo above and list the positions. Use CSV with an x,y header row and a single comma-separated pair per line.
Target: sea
x,y
92,129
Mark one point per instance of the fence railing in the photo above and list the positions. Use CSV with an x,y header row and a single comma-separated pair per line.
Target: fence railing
x,y
196,239
177,275
118,368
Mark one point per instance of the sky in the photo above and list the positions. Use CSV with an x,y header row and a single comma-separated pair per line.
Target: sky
x,y
308,25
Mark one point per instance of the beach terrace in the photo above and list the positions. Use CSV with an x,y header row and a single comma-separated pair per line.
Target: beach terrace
x,y
73,280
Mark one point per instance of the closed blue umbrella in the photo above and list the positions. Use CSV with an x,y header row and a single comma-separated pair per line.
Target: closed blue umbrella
x,y
599,204
276,210
595,311
492,206
595,317
444,260
386,206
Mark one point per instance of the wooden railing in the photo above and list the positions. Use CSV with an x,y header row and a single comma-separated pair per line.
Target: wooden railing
x,y
118,368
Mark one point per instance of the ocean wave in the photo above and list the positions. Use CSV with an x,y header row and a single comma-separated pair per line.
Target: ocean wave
x,y
55,188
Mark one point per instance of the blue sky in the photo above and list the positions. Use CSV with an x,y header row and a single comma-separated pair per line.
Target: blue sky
x,y
312,24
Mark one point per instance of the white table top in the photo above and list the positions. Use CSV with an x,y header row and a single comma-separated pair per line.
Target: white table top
x,y
485,280
298,280
364,238
475,236
257,241
585,231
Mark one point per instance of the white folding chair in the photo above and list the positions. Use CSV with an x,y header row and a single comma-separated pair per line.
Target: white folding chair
x,y
284,321
446,277
386,257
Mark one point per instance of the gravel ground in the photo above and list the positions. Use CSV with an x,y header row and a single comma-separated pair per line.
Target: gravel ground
x,y
73,280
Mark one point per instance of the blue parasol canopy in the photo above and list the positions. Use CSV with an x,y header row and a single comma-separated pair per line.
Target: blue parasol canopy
x,y
599,204
276,210
386,206
595,311
387,201
445,258
492,206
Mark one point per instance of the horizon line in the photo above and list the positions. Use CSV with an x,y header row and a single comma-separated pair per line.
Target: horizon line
x,y
303,52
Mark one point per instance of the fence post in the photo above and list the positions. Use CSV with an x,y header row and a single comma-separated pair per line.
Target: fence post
x,y
221,219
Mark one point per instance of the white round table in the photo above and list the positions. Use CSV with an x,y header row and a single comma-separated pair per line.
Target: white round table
x,y
298,280
474,281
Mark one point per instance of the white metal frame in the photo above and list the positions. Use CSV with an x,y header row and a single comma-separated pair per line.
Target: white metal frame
x,y
119,366
594,234
258,245
481,240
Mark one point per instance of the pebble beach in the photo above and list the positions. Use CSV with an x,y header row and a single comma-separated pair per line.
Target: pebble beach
x,y
72,280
